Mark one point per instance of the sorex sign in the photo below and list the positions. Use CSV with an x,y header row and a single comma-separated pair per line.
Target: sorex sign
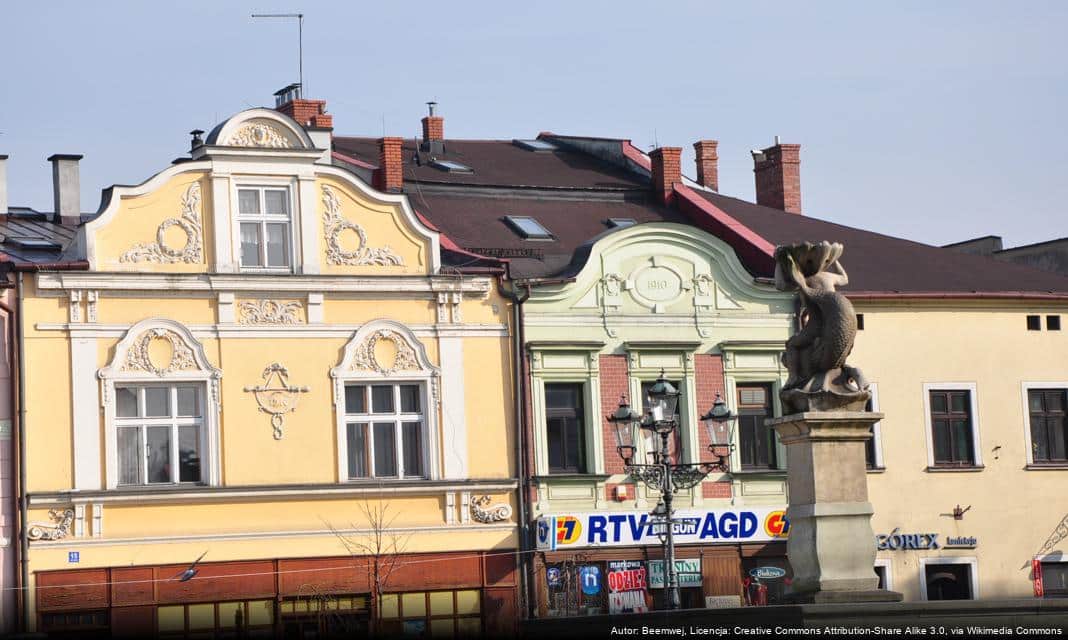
x,y
617,529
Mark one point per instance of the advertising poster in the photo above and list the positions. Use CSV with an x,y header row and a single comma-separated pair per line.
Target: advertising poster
x,y
626,587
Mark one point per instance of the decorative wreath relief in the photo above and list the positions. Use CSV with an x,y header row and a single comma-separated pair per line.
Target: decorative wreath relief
x,y
56,530
362,254
159,251
270,312
365,359
138,359
276,396
258,134
495,513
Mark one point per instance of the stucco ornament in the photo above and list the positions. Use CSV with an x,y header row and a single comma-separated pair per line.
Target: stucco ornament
x,y
58,529
335,225
494,513
138,357
258,134
189,222
365,358
276,396
270,312
819,378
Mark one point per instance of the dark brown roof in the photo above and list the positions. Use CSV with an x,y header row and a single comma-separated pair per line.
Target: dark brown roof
x,y
22,222
477,224
877,262
502,163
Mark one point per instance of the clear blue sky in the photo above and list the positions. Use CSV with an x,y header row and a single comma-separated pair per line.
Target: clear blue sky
x,y
935,121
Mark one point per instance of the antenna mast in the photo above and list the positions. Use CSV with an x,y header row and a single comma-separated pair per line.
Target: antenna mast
x,y
300,40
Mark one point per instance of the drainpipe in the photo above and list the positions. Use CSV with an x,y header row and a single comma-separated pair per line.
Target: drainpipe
x,y
15,381
18,391
521,439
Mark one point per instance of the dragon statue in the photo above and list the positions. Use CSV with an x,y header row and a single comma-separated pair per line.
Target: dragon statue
x,y
815,357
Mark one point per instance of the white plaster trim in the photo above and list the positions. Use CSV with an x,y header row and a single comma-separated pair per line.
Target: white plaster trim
x,y
225,259
877,431
888,566
973,574
62,281
297,136
85,398
972,390
1024,388
226,312
453,408
233,330
315,308
79,520
98,519
272,535
308,217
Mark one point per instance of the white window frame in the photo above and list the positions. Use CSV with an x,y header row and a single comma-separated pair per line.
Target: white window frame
x,y
1025,387
973,399
358,366
973,573
888,569
262,183
119,373
398,418
877,433
174,422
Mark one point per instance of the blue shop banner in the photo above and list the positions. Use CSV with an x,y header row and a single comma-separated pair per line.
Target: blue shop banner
x,y
619,529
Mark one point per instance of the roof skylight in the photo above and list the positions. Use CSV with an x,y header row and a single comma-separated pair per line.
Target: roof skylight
x,y
534,145
451,166
23,242
620,222
528,227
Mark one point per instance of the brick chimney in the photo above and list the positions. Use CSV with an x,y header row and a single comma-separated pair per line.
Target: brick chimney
x,y
778,176
390,174
667,170
66,188
433,131
707,163
307,113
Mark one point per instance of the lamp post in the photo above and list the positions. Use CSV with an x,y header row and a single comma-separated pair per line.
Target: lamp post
x,y
665,474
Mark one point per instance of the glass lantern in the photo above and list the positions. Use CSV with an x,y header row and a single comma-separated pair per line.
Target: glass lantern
x,y
719,422
625,423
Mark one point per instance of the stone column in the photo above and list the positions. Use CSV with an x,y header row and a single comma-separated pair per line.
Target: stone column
x,y
831,546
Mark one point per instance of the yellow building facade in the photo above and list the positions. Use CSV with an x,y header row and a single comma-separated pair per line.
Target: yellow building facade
x,y
266,365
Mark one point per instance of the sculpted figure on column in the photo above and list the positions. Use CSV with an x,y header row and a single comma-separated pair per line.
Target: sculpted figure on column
x,y
815,357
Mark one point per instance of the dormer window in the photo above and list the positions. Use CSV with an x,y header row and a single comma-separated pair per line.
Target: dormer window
x,y
451,166
263,214
528,228
616,223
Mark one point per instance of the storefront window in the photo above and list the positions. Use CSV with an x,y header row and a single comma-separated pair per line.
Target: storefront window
x,y
325,616
244,619
76,624
577,588
439,614
1055,579
766,580
948,581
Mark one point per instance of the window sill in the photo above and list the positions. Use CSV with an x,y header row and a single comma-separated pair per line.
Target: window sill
x,y
758,472
572,477
1046,466
968,469
876,469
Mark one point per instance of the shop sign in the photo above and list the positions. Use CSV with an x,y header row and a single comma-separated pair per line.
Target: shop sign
x,y
626,587
1036,575
961,542
722,602
552,576
689,572
767,573
590,579
616,529
907,541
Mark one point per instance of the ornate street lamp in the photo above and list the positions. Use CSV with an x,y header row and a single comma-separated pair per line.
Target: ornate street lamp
x,y
664,475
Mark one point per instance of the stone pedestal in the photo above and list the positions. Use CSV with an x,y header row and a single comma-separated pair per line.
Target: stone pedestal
x,y
831,545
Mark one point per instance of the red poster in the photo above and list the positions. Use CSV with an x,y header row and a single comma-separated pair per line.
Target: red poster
x,y
626,586
1036,571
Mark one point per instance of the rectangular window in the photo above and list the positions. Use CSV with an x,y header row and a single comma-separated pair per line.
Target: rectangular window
x,y
264,227
565,425
948,581
1055,579
449,614
1053,323
1034,323
675,444
1049,424
951,428
159,433
756,441
870,459
249,618
386,431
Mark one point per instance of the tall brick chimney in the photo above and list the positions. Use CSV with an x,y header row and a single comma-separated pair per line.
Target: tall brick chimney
x,y
433,131
778,176
390,174
667,170
307,113
707,163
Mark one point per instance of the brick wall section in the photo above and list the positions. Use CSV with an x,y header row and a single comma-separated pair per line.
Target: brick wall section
x,y
308,112
613,372
389,176
778,178
433,128
667,170
716,489
707,163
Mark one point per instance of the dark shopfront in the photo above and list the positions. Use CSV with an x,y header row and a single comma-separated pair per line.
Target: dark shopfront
x,y
579,582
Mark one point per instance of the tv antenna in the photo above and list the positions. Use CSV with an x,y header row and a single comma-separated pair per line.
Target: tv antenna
x,y
300,40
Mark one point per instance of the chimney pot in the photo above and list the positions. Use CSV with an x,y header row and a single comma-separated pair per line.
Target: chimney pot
x,y
390,173
433,132
777,170
3,185
707,163
667,170
66,187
